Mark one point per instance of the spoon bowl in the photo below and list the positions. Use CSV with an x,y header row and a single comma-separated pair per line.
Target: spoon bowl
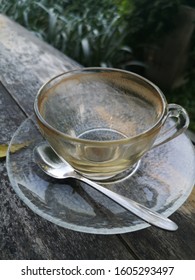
x,y
54,166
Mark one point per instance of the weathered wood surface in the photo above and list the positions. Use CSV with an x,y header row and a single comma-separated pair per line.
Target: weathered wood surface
x,y
25,63
152,243
24,235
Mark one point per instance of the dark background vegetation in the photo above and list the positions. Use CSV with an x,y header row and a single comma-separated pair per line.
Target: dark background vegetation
x,y
153,38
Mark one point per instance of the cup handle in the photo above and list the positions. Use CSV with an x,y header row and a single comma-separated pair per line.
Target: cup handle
x,y
181,123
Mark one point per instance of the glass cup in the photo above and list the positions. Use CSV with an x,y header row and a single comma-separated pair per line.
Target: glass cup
x,y
102,120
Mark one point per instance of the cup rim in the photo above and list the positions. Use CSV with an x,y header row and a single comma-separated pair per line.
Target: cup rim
x,y
156,125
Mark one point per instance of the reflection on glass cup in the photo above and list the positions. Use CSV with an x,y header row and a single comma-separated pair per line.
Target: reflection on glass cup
x,y
102,121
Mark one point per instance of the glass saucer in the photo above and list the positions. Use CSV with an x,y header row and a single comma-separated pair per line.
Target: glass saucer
x,y
163,182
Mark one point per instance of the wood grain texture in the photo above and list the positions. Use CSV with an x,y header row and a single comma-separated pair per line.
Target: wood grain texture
x,y
23,234
156,244
26,63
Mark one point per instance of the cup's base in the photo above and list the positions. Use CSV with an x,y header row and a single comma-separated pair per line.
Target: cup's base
x,y
119,177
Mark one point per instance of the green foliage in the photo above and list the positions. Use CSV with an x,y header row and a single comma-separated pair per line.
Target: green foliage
x,y
184,96
95,32
149,20
190,3
91,32
125,7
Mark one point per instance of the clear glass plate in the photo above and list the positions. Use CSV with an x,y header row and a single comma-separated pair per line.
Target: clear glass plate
x,y
163,182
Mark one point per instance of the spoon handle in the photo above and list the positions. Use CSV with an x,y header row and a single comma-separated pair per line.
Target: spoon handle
x,y
139,210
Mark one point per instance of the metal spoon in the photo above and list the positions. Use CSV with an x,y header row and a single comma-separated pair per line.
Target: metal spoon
x,y
51,164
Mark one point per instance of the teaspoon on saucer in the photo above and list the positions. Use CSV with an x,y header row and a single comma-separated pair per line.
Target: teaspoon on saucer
x,y
52,165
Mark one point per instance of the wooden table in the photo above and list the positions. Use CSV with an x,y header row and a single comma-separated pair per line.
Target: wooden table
x,y
25,64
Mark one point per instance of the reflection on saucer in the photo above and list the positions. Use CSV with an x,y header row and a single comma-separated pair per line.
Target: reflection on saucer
x,y
162,182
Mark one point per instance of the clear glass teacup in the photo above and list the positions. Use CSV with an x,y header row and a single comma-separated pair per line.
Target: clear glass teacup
x,y
102,120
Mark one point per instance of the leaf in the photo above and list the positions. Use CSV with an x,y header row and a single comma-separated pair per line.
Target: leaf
x,y
85,47
14,148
